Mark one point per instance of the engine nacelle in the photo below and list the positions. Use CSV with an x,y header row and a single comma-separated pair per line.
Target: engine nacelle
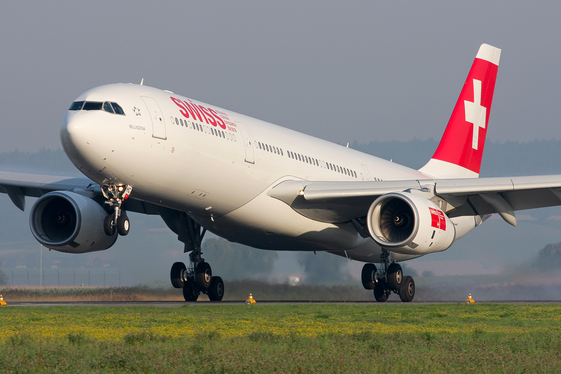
x,y
68,222
405,223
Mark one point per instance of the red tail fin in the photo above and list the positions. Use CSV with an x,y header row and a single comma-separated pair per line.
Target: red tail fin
x,y
460,150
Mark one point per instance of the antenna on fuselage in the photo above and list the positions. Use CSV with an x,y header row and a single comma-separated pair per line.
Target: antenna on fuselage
x,y
142,82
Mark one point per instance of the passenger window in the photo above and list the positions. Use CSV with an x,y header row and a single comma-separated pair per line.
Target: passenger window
x,y
77,105
117,108
92,105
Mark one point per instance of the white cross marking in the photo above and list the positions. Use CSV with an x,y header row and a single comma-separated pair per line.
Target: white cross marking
x,y
475,113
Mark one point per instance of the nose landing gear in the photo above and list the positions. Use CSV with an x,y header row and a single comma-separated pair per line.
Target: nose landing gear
x,y
115,195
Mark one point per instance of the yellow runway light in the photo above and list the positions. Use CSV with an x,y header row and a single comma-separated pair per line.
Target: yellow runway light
x,y
469,300
2,302
251,300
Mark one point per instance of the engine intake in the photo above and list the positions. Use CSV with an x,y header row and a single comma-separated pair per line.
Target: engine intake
x,y
69,222
405,223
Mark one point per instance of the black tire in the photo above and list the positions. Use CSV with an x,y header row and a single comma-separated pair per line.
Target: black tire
x,y
407,290
395,277
216,289
108,225
189,292
368,276
177,270
123,225
380,293
203,275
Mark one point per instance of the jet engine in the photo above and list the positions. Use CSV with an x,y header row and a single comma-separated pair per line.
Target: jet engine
x,y
409,224
69,222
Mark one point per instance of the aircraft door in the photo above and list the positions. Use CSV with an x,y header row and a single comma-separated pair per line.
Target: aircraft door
x,y
158,124
248,143
366,173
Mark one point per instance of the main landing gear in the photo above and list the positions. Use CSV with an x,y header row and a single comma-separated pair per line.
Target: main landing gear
x,y
389,279
115,195
197,278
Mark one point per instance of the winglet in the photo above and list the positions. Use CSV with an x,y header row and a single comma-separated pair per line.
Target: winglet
x,y
460,151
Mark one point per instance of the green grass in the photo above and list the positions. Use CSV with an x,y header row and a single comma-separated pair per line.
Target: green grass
x,y
283,338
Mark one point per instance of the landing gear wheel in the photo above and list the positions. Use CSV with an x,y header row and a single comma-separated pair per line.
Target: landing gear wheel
x,y
407,290
368,276
189,292
203,275
395,276
380,293
216,289
177,274
108,225
123,224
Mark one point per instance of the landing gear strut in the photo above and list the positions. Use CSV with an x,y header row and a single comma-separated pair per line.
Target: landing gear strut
x,y
387,280
115,195
197,278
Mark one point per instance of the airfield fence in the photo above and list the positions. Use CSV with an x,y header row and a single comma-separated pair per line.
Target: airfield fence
x,y
64,278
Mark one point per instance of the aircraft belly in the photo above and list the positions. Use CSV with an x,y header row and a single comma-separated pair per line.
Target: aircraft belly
x,y
369,251
268,223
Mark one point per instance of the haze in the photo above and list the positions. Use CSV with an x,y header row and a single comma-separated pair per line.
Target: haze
x,y
341,71
362,71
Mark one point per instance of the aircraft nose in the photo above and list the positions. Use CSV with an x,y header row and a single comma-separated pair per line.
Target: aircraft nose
x,y
75,136
71,131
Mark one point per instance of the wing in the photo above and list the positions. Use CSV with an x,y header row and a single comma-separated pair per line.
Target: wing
x,y
19,185
344,201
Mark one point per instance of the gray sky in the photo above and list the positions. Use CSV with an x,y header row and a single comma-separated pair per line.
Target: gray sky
x,y
342,71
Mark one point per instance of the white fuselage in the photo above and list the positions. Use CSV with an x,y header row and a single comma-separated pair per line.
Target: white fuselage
x,y
218,165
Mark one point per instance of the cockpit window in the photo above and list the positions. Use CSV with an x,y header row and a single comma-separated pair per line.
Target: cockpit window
x,y
118,109
107,106
77,105
92,105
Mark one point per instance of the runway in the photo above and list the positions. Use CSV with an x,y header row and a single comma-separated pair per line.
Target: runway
x,y
177,304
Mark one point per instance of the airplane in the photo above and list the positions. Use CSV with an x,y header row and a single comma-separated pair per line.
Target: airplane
x,y
203,168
